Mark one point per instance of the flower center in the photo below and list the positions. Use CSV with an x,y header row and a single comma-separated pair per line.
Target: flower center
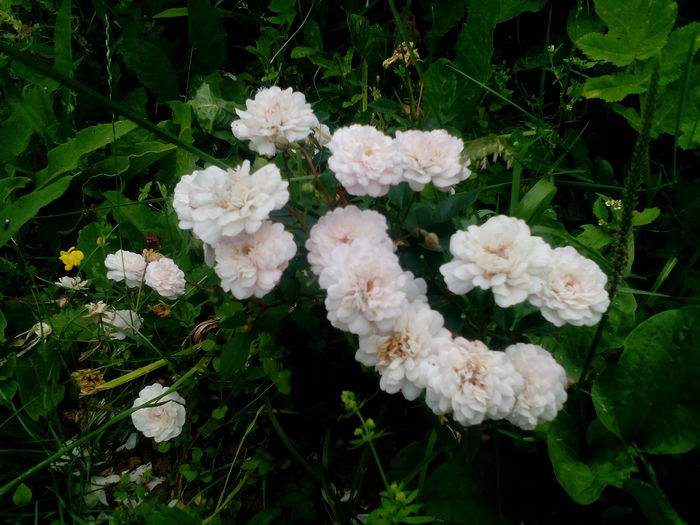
x,y
396,347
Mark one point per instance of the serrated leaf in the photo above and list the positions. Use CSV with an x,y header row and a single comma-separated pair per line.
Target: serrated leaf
x,y
66,157
594,237
22,495
637,30
615,87
644,217
651,396
683,43
207,35
23,209
212,111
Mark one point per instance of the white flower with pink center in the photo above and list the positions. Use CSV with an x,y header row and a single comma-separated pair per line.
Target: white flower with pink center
x,y
398,354
471,381
365,160
500,255
162,421
274,119
431,156
252,265
545,386
344,226
227,203
365,287
166,278
573,291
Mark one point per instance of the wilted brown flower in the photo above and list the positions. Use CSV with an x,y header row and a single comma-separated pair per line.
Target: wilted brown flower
x,y
88,380
151,256
161,310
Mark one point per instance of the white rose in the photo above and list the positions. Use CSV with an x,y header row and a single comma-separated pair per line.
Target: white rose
x,y
126,266
120,323
165,278
163,421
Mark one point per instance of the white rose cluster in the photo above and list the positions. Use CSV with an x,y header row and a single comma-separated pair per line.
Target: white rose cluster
x,y
162,421
162,275
368,162
405,340
503,256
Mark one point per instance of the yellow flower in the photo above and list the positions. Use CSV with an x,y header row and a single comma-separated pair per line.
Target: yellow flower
x,y
72,258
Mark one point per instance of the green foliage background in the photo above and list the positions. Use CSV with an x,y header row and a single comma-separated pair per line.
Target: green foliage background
x,y
106,104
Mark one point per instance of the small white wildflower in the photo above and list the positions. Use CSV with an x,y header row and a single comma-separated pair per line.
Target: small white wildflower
x,y
121,323
71,283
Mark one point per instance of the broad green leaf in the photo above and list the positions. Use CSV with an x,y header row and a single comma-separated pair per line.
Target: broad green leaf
x,y
35,110
584,476
581,21
621,318
151,65
37,375
141,220
594,237
617,86
207,35
286,11
644,217
23,209
212,112
15,133
651,396
8,389
440,98
234,354
654,504
10,184
512,8
3,325
683,43
22,495
474,48
303,51
66,157
536,200
637,30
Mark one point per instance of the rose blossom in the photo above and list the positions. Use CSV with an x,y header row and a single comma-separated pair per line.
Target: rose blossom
x,y
431,156
163,421
501,255
574,290
165,278
227,203
365,160
273,119
398,354
545,386
126,266
120,323
343,226
181,202
253,264
473,382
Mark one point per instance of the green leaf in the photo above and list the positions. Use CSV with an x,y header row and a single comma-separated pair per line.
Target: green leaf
x,y
440,97
234,354
644,217
536,200
607,461
22,495
594,237
212,112
683,43
655,506
66,157
3,325
175,12
207,35
142,219
10,184
581,21
651,396
366,38
14,137
8,389
512,8
63,54
37,375
303,52
637,30
23,209
286,11
151,65
617,86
